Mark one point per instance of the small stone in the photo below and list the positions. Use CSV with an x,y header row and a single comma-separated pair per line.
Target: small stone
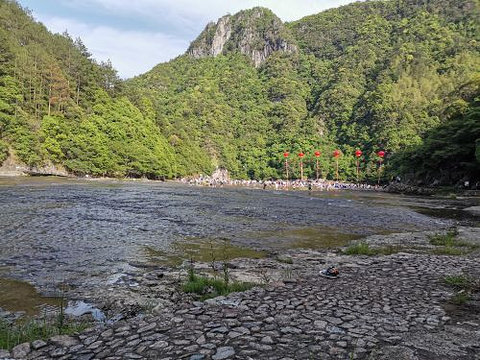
x,y
201,340
132,356
159,345
88,356
107,333
267,340
260,347
147,328
336,351
334,320
320,324
58,352
197,357
223,352
21,351
90,340
38,344
221,330
64,341
95,345
290,330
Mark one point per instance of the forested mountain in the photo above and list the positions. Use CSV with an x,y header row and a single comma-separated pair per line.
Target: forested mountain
x,y
396,75
59,106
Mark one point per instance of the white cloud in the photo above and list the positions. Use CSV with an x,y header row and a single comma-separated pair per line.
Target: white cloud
x,y
175,24
131,52
286,9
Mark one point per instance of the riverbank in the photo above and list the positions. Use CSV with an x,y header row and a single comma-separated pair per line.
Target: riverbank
x,y
394,306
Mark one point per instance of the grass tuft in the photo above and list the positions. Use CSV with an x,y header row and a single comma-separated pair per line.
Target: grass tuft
x,y
361,248
207,288
448,244
465,285
12,335
448,250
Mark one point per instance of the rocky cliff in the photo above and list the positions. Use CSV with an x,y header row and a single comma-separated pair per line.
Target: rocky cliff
x,y
256,33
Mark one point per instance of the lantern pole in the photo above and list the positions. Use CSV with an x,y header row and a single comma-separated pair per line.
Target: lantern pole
x,y
336,154
285,155
301,155
358,153
358,164
336,172
380,154
286,168
317,154
379,170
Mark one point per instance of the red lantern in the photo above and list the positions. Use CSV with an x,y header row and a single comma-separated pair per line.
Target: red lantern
x,y
336,153
301,155
381,153
285,154
358,153
318,153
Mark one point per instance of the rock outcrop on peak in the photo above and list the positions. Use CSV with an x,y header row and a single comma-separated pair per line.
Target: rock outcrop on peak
x,y
256,33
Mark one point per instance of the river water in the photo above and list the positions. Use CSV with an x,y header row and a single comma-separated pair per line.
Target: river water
x,y
67,230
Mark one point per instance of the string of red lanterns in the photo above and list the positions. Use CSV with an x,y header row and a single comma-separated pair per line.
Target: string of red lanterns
x,y
336,154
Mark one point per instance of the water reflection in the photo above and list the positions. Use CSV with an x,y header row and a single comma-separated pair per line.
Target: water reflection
x,y
21,296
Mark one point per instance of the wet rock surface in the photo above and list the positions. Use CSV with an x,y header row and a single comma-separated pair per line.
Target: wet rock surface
x,y
382,307
86,234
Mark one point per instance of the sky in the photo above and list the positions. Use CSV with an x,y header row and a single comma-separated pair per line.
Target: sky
x,y
136,35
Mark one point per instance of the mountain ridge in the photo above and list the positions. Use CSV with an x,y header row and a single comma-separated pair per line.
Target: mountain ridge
x,y
257,33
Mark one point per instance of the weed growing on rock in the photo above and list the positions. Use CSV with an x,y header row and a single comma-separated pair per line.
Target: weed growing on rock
x,y
448,239
266,278
13,334
461,298
448,244
465,285
287,273
448,250
462,282
206,288
361,248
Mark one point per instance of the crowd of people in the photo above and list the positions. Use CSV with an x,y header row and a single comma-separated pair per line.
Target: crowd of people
x,y
321,184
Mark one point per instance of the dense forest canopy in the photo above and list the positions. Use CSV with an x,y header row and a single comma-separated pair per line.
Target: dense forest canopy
x,y
398,75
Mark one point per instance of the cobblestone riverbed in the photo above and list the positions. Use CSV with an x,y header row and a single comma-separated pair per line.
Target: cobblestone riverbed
x,y
382,307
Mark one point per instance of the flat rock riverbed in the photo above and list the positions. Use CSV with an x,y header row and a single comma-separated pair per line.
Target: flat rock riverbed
x,y
382,307
124,246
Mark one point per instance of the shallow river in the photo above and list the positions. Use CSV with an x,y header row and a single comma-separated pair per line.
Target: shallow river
x,y
54,230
